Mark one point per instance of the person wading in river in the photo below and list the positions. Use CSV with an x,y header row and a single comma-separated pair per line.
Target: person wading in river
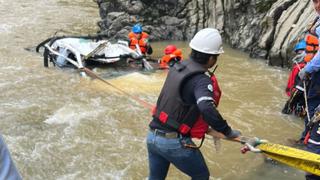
x,y
186,94
311,74
140,38
172,55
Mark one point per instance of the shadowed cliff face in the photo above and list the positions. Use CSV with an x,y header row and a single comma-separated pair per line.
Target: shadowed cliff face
x,y
265,28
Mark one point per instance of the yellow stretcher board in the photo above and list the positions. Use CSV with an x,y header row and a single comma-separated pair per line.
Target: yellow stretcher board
x,y
300,159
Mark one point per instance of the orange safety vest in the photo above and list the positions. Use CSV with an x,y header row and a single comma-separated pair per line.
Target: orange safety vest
x,y
312,47
164,62
142,42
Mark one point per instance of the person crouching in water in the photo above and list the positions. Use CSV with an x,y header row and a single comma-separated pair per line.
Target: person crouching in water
x,y
141,39
187,94
172,55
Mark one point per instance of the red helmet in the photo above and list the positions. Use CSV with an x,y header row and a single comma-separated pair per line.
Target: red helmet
x,y
170,49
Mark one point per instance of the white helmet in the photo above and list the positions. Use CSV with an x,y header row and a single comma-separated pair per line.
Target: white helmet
x,y
207,41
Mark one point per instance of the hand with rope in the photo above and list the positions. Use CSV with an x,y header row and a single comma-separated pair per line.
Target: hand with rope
x,y
304,75
250,144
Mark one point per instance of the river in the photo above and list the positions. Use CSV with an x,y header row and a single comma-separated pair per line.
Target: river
x,y
60,126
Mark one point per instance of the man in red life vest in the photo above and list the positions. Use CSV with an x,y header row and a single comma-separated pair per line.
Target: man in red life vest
x,y
295,103
187,93
298,63
306,49
172,55
140,38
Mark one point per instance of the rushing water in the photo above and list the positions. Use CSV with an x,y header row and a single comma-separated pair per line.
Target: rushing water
x,y
60,126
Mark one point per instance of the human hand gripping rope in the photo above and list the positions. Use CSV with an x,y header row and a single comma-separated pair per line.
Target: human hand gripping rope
x,y
250,144
293,157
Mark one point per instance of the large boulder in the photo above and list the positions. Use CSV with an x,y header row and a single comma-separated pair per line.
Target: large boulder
x,y
265,28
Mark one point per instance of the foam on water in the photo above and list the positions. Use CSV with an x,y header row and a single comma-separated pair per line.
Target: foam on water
x,y
5,28
72,114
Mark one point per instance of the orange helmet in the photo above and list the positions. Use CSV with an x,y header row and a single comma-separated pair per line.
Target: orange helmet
x,y
170,49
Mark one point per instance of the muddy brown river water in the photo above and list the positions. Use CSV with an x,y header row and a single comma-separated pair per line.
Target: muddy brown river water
x,y
61,126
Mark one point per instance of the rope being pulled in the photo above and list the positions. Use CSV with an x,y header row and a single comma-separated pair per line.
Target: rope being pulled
x,y
140,101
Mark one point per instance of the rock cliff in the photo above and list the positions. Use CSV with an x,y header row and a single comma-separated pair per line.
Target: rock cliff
x,y
265,28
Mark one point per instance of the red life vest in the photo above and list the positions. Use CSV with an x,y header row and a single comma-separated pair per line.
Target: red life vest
x,y
200,128
142,42
292,77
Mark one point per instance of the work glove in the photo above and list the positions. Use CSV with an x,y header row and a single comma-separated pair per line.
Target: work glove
x,y
233,134
303,75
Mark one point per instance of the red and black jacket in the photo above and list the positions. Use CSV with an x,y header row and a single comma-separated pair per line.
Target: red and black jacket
x,y
173,112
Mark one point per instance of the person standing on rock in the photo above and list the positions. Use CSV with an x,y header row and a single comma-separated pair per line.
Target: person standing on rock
x,y
187,93
311,73
139,38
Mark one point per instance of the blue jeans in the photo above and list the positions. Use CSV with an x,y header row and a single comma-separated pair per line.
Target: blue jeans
x,y
164,151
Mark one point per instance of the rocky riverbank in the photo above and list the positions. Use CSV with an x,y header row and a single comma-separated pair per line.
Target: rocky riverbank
x,y
265,28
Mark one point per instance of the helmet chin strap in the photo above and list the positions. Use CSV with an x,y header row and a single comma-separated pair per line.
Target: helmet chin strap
x,y
211,73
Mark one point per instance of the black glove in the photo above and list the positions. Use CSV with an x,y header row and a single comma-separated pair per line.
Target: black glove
x,y
233,134
149,50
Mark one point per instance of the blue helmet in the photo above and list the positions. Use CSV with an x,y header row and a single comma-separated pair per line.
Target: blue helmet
x,y
300,46
137,28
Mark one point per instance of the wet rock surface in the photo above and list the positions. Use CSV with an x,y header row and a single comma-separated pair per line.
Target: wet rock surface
x,y
265,28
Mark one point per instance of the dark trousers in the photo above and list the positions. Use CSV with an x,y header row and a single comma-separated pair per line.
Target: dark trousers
x,y
312,104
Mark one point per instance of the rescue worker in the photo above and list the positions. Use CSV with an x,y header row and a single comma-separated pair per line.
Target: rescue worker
x,y
294,89
187,93
311,72
306,50
140,38
298,63
172,55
